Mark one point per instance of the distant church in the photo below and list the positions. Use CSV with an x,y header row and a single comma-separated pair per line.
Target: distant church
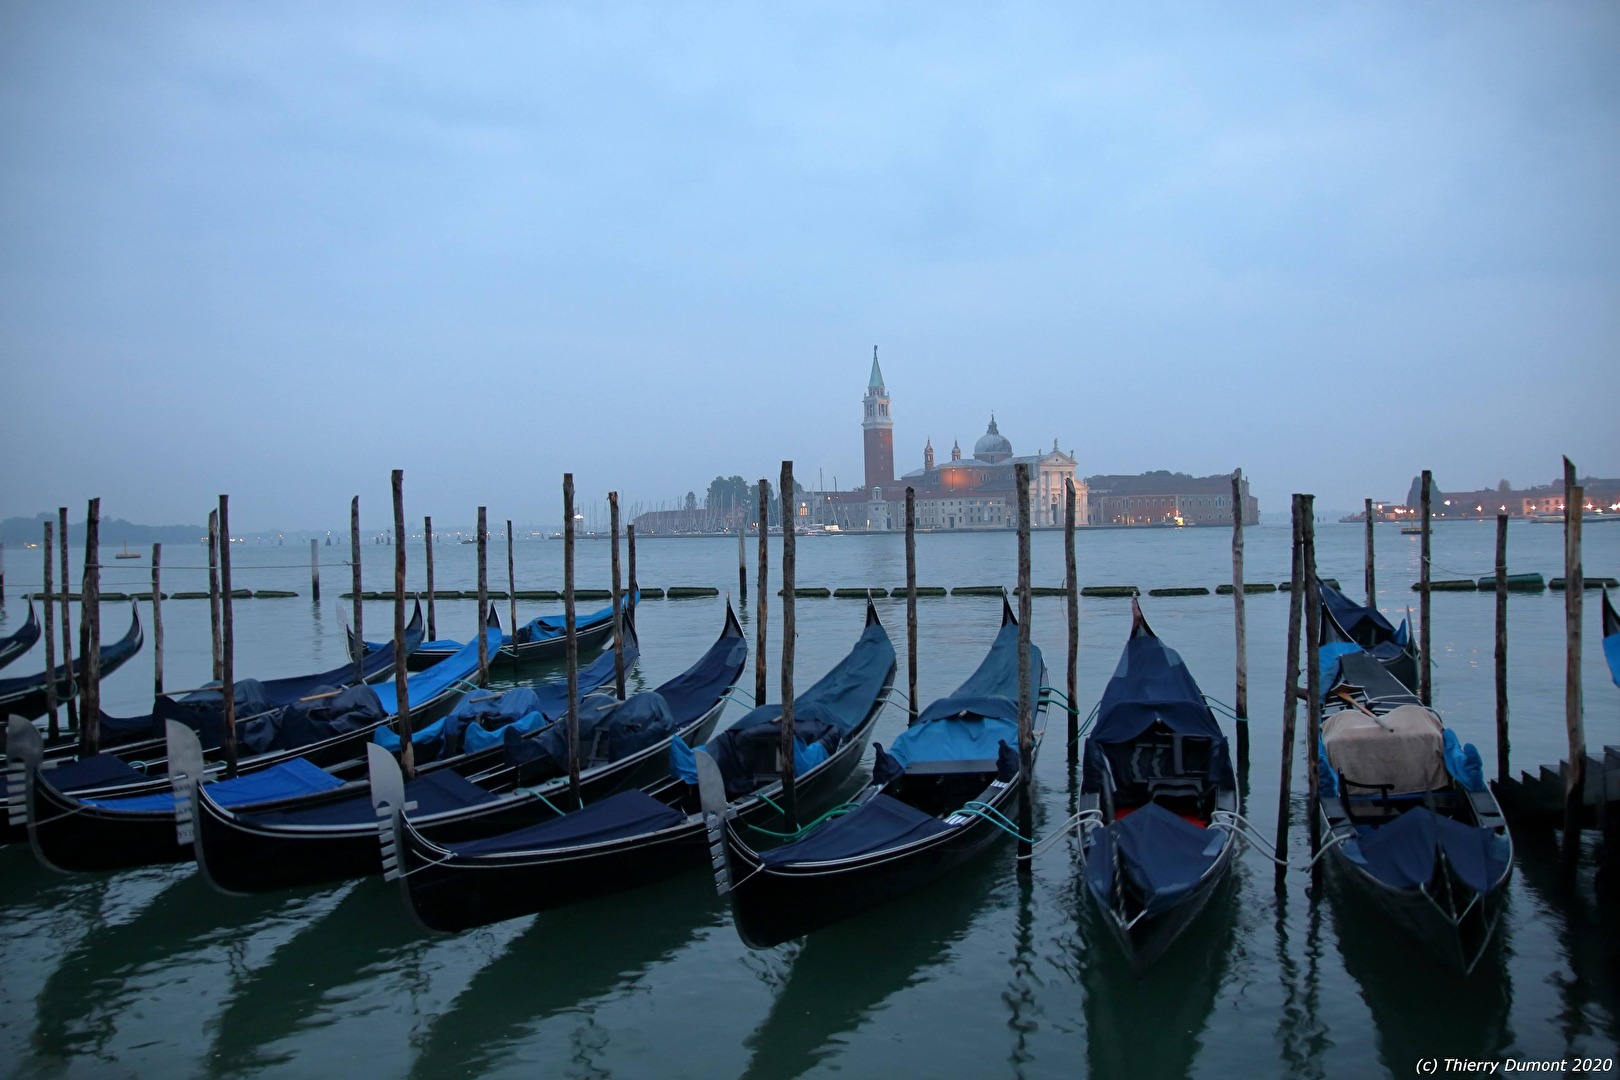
x,y
963,493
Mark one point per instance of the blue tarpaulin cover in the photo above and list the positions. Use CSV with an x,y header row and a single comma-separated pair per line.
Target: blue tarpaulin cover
x,y
969,724
1611,638
1163,855
424,686
628,813
1402,854
283,781
1362,625
433,793
1462,762
553,626
882,822
610,728
99,770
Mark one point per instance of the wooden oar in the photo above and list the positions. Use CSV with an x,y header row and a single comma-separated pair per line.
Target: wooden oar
x,y
1345,696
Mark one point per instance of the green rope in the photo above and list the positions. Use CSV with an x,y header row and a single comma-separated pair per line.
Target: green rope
x,y
766,799
837,811
995,817
555,809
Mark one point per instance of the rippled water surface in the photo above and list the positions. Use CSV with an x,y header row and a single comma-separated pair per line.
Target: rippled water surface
x,y
150,973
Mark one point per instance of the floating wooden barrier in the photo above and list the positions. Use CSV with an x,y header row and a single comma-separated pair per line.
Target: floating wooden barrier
x,y
145,596
1185,590
272,594
457,594
1287,586
689,592
1590,583
1463,585
1048,590
978,590
530,594
1109,590
650,593
592,594
856,594
922,591
813,592
1515,583
114,596
1249,588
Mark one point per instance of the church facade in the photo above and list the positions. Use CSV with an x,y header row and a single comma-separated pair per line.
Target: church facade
x,y
963,492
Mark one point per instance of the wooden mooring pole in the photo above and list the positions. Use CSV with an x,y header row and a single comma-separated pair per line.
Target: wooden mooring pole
x,y
1071,594
1501,650
227,636
571,645
55,724
1370,574
790,808
1296,603
911,602
315,571
402,726
1313,669
511,581
483,596
67,621
1425,683
618,607
630,557
1026,696
90,633
427,551
157,620
742,558
1574,721
764,578
1240,704
213,595
354,574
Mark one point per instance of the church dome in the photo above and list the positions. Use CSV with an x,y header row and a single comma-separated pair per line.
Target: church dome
x,y
992,445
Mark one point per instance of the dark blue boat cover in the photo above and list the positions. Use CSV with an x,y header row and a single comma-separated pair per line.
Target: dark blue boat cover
x,y
1402,854
822,716
1363,625
555,626
16,644
98,770
1611,638
1151,684
878,824
284,781
614,731
970,724
433,793
1164,856
628,813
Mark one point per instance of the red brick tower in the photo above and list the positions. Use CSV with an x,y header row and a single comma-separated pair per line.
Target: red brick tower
x,y
878,430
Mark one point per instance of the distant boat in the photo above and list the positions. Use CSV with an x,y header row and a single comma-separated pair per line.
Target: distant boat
x,y
127,554
1411,530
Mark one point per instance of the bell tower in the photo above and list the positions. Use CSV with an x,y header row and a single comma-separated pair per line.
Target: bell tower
x,y
878,429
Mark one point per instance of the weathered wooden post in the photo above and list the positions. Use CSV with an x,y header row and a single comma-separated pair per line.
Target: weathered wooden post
x,y
2,575
511,581
227,656
571,643
1313,669
1574,720
911,600
90,634
157,620
55,726
427,547
67,621
1296,603
354,562
1425,683
1071,592
630,558
213,593
742,558
764,577
618,614
1240,704
403,726
483,597
1501,650
1371,573
314,572
1026,699
790,808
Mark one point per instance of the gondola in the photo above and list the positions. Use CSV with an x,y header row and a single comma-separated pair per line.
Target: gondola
x,y
331,837
643,834
128,818
1346,623
1611,638
540,639
930,807
24,695
1409,820
16,644
1158,784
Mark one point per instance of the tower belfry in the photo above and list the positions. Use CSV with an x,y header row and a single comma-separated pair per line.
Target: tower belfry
x,y
878,429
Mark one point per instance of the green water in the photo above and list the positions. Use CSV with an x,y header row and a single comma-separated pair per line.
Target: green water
x,y
150,973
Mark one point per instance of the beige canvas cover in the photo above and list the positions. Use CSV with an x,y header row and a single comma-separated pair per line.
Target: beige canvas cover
x,y
1404,752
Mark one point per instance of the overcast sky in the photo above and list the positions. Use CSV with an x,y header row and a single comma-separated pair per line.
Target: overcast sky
x,y
276,250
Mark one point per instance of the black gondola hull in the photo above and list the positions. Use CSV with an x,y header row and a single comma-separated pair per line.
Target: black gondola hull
x,y
1150,937
73,836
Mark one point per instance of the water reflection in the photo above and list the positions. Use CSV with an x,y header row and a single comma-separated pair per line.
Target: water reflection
x,y
842,974
1582,919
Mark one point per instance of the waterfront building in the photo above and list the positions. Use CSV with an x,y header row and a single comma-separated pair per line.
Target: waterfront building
x,y
1167,498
